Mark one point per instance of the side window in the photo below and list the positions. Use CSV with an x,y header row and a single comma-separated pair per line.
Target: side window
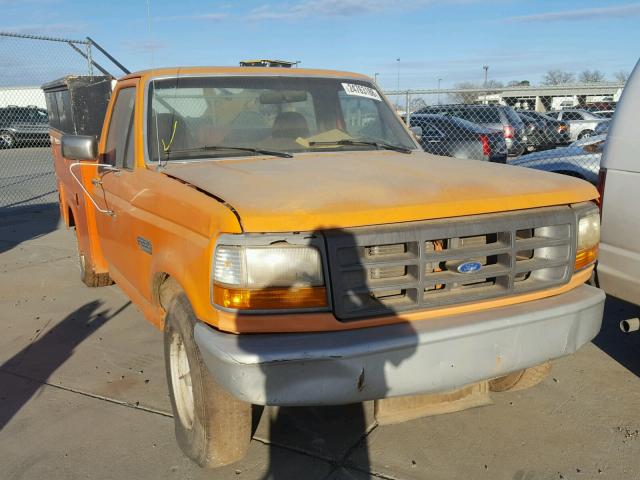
x,y
119,149
361,116
431,132
571,116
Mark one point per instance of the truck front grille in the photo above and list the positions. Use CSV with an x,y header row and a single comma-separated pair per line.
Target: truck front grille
x,y
419,265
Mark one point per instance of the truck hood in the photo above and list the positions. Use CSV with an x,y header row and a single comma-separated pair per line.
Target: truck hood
x,y
346,189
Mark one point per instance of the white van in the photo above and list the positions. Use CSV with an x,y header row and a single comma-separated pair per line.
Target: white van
x,y
619,263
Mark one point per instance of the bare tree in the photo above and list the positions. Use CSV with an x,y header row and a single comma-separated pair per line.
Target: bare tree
x,y
557,77
591,76
519,83
621,76
462,96
417,103
493,84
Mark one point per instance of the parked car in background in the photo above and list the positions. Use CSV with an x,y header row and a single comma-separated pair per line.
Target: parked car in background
x,y
498,117
604,113
581,159
582,123
602,128
455,137
557,130
24,125
618,271
536,133
601,106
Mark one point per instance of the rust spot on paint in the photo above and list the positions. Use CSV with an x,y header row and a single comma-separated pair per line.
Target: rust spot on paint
x,y
361,381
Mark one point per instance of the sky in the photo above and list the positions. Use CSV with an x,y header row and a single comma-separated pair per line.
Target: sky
x,y
449,40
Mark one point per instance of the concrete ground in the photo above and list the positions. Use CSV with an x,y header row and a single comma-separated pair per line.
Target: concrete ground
x,y
83,395
26,176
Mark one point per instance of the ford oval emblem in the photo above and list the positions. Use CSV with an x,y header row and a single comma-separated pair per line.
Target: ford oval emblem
x,y
469,267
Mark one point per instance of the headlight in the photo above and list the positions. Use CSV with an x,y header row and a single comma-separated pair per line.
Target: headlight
x,y
270,277
588,239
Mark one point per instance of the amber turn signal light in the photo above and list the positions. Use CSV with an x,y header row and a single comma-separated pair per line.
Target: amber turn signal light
x,y
586,257
269,298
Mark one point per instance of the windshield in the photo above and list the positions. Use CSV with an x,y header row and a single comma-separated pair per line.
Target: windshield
x,y
194,117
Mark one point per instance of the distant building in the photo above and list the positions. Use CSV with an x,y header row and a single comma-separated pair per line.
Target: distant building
x,y
554,97
22,97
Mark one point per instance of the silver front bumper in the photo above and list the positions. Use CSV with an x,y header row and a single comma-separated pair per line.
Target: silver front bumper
x,y
408,358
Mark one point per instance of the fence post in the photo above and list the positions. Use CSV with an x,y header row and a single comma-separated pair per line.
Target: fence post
x,y
406,110
89,59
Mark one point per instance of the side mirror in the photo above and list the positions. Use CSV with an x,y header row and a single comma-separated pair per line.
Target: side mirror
x,y
417,132
83,148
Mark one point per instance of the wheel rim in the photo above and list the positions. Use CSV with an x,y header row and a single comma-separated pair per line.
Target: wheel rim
x,y
8,139
181,381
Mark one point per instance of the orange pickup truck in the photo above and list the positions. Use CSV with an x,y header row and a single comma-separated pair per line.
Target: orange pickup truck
x,y
285,230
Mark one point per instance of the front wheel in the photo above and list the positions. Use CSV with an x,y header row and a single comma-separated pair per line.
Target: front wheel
x,y
585,134
213,428
7,140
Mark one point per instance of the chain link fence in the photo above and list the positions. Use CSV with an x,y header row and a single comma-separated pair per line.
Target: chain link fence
x,y
559,128
26,62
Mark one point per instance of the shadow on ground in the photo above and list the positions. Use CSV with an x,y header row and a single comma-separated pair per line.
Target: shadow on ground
x,y
22,223
330,432
622,347
48,352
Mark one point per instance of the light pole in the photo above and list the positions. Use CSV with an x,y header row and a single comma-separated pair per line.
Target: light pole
x,y
398,85
375,78
439,80
486,75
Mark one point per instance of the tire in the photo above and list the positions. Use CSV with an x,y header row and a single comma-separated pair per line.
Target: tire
x,y
520,380
212,427
87,273
7,139
585,134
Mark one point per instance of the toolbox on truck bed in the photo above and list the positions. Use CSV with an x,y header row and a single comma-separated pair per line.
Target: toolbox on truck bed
x,y
78,104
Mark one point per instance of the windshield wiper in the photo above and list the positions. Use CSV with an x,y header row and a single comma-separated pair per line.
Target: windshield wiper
x,y
205,148
378,145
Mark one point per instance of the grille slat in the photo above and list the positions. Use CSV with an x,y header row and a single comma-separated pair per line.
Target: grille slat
x,y
534,242
523,266
462,253
359,267
516,252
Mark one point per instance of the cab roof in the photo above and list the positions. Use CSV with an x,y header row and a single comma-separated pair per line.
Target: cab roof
x,y
257,71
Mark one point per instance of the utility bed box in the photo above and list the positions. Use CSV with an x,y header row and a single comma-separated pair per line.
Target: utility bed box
x,y
77,104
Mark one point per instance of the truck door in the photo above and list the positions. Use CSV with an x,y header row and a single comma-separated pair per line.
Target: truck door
x,y
120,232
